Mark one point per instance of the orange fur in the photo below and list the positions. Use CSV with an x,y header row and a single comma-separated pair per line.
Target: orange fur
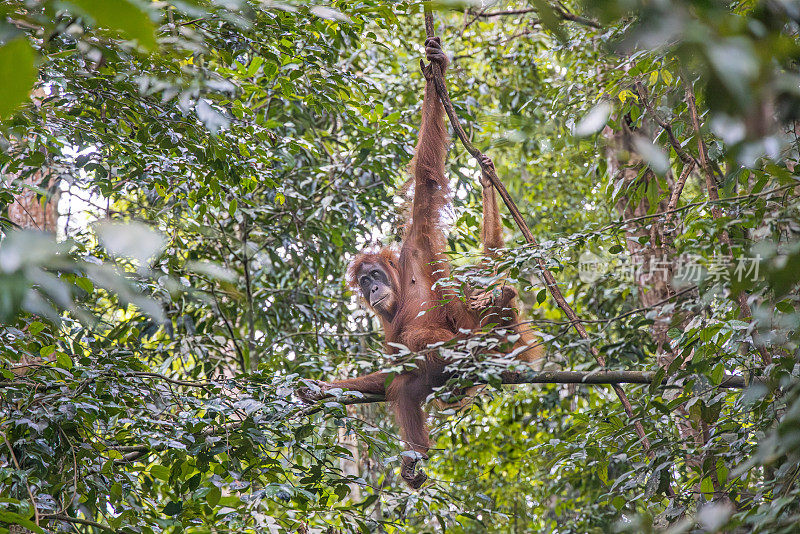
x,y
425,312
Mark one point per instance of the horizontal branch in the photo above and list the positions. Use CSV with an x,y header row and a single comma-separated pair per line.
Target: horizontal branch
x,y
132,453
564,377
602,377
78,520
504,12
22,380
558,11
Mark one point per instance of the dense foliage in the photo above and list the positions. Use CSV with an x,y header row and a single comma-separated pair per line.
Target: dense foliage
x,y
216,163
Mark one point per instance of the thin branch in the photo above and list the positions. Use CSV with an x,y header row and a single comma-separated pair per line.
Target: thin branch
x,y
78,520
229,327
86,381
676,192
686,158
700,203
548,277
501,13
27,487
188,383
65,507
560,11
251,328
616,317
572,17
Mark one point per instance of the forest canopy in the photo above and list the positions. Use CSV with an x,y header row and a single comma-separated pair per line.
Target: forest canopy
x,y
183,184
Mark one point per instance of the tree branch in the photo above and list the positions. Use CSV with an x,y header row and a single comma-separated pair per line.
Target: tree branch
x,y
612,378
79,521
560,11
686,158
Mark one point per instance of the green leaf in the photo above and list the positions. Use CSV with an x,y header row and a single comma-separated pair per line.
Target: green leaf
x,y
63,361
270,69
16,519
85,284
707,486
342,491
254,65
160,472
173,508
541,296
35,327
123,16
550,20
369,500
303,432
18,72
213,496
717,374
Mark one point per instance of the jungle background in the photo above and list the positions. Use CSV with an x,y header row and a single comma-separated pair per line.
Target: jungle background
x,y
185,181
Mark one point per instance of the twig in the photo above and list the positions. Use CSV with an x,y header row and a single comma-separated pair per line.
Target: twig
x,y
676,193
229,328
86,381
560,11
696,204
549,279
188,383
616,317
572,17
251,328
78,520
686,158
65,507
501,13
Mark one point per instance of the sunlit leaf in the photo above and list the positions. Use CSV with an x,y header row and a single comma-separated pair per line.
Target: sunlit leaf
x,y
133,240
18,72
654,156
329,13
213,119
594,121
121,15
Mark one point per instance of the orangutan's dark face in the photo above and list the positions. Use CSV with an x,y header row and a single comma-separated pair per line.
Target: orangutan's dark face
x,y
376,287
